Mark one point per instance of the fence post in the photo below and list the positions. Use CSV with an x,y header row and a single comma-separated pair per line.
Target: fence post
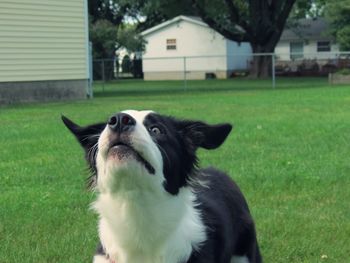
x,y
185,76
91,78
103,75
273,71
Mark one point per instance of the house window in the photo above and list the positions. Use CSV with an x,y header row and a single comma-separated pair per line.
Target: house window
x,y
323,46
296,50
171,44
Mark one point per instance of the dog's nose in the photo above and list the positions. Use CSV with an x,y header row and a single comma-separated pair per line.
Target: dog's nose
x,y
121,122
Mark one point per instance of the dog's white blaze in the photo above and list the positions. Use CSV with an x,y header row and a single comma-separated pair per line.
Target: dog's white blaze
x,y
140,221
139,116
143,143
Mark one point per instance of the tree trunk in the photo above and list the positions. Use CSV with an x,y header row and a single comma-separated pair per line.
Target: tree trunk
x,y
261,65
261,24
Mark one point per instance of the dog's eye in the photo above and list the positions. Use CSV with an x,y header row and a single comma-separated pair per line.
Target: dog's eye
x,y
155,130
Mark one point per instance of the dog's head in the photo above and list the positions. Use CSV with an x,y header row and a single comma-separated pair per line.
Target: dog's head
x,y
142,149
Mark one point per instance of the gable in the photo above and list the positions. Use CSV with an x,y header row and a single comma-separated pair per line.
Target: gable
x,y
190,40
178,19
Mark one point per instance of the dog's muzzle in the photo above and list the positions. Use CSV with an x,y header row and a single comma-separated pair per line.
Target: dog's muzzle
x,y
122,125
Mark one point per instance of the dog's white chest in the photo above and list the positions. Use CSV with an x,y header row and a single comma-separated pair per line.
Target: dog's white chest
x,y
156,231
157,253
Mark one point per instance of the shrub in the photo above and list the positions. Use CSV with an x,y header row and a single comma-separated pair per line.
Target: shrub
x,y
344,71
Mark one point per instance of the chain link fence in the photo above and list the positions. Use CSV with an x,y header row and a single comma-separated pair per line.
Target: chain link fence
x,y
185,71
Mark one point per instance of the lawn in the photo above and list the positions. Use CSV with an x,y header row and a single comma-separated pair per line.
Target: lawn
x,y
289,152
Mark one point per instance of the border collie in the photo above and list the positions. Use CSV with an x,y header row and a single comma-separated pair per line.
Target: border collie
x,y
154,204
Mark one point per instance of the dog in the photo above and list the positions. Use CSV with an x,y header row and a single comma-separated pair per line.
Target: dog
x,y
155,204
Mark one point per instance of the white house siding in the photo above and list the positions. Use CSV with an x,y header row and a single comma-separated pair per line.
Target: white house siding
x,y
43,40
282,51
199,44
238,55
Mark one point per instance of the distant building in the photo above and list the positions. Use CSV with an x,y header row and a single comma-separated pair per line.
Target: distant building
x,y
44,52
188,44
309,39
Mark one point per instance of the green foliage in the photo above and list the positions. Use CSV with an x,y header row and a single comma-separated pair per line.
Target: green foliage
x,y
145,13
171,8
126,64
153,12
106,38
129,38
308,8
109,28
338,14
343,38
115,11
344,71
103,35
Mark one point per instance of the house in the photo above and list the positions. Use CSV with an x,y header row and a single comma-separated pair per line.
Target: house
x,y
186,47
307,49
308,39
44,50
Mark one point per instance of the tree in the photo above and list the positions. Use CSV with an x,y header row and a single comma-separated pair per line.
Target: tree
x,y
129,37
113,11
259,22
158,11
108,29
103,35
338,14
126,64
308,8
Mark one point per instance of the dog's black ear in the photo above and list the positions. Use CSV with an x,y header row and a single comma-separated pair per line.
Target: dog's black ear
x,y
204,135
88,135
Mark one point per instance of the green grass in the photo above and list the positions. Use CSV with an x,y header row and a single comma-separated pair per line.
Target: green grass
x,y
139,87
289,152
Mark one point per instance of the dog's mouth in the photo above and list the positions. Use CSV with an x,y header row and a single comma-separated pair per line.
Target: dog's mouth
x,y
123,149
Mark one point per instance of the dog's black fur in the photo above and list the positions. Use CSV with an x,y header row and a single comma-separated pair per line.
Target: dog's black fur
x,y
229,226
226,215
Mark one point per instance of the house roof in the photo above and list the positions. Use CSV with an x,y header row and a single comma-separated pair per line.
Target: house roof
x,y
308,29
192,19
305,29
